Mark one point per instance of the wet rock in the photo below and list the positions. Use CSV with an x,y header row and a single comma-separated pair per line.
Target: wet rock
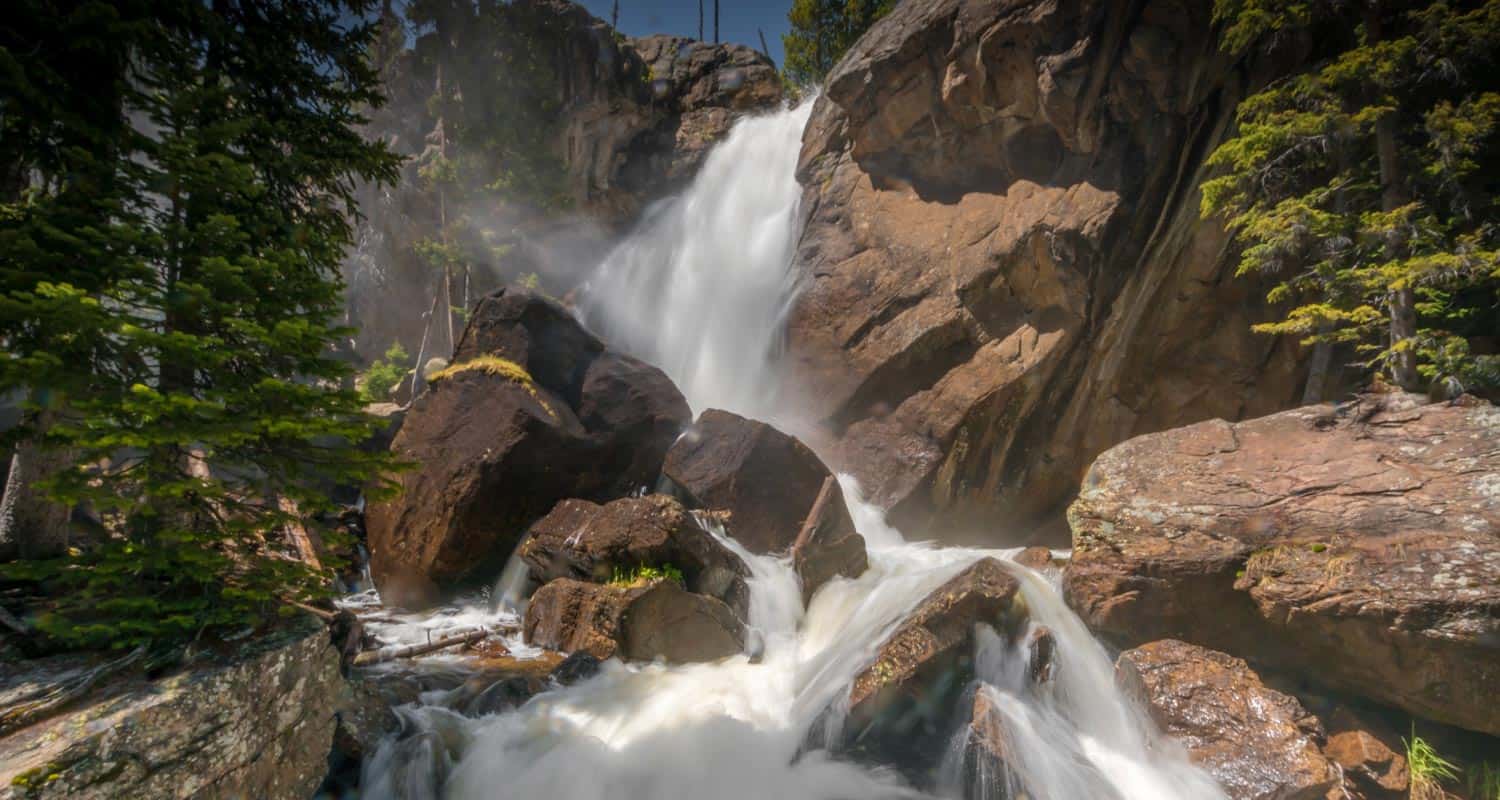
x,y
986,753
1041,649
497,446
258,724
578,666
820,561
1358,544
901,706
767,481
1006,272
1037,558
1258,743
587,541
1370,753
503,695
645,622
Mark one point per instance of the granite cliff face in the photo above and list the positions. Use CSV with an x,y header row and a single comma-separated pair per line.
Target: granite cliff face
x,y
1004,266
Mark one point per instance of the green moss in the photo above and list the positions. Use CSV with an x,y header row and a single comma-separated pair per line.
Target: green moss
x,y
643,574
1317,547
500,367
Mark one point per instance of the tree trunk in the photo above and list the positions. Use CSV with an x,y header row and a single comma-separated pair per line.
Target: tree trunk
x,y
716,21
31,525
700,20
1317,374
1393,195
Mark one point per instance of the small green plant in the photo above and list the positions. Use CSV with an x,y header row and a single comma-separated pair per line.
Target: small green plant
x,y
1317,547
385,375
1429,771
641,574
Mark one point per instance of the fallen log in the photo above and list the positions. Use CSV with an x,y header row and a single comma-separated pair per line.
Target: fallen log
x,y
413,650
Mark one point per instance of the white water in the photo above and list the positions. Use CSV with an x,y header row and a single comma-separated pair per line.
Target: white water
x,y
701,290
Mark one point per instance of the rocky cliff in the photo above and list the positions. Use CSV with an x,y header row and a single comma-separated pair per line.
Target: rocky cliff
x,y
1004,265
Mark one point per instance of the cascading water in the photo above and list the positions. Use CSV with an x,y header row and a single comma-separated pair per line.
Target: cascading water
x,y
701,287
701,290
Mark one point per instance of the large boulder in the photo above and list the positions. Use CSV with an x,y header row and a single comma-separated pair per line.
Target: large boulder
x,y
1358,545
901,706
1005,267
646,621
769,482
534,409
1258,743
591,542
257,724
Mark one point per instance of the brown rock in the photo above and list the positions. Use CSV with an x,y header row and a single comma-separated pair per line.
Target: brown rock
x,y
642,623
1006,271
820,561
901,707
586,541
987,772
1037,558
1359,545
1041,648
1259,744
494,452
1381,771
766,480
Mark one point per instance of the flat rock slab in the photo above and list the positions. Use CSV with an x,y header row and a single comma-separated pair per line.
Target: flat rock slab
x,y
1258,743
259,725
1358,546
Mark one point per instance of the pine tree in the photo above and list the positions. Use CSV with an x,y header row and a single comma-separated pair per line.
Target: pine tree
x,y
822,30
1368,184
198,395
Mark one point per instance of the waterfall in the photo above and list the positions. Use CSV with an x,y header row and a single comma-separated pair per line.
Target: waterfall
x,y
701,289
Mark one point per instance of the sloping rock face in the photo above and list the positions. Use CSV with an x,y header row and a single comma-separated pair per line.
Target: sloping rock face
x,y
1258,743
655,620
1357,545
902,706
769,482
494,452
587,541
1005,271
258,725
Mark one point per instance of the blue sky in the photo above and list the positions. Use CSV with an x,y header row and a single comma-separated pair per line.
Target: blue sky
x,y
738,20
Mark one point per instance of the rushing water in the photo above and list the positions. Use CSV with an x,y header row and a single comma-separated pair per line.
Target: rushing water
x,y
701,289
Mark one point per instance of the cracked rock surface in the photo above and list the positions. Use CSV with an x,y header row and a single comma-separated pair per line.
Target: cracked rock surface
x,y
1358,545
258,724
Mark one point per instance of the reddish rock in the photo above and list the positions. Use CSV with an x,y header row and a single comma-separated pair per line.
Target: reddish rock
x,y
1359,545
641,623
1037,558
987,772
820,561
587,541
494,452
766,480
904,707
1041,650
1258,743
1006,271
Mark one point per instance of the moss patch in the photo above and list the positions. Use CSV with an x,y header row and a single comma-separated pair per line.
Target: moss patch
x,y
499,367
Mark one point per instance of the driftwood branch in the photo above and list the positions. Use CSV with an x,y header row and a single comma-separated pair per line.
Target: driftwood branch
x,y
814,514
413,650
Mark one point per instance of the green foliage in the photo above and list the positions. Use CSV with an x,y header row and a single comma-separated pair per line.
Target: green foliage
x,y
386,374
642,574
822,31
1429,771
1367,185
170,295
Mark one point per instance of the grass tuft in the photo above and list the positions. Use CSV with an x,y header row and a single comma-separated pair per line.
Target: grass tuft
x,y
635,576
1429,771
